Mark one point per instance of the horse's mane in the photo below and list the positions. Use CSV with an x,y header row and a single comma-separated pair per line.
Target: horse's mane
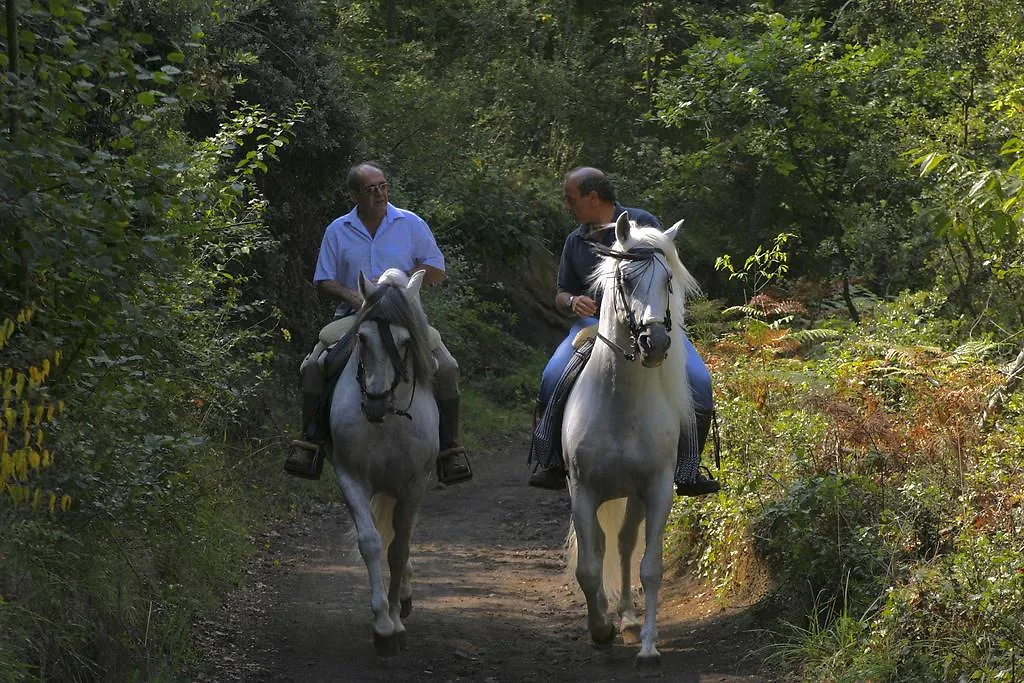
x,y
387,302
683,286
649,236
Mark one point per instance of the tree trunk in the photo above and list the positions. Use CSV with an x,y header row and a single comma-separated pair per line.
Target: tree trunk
x,y
998,397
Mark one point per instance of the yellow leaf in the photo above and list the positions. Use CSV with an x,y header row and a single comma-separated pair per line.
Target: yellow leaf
x,y
6,467
53,501
25,413
60,407
47,457
36,499
46,367
65,503
19,385
49,412
11,418
57,356
33,459
20,464
39,439
38,417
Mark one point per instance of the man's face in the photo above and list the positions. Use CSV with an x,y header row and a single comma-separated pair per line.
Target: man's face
x,y
581,207
372,195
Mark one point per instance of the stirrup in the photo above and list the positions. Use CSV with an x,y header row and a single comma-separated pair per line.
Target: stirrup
x,y
700,485
453,465
299,464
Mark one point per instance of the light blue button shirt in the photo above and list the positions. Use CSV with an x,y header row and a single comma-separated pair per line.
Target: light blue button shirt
x,y
402,241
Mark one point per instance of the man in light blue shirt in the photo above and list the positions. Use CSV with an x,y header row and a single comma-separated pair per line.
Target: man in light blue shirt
x,y
372,237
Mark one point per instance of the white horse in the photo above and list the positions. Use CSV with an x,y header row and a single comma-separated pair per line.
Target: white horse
x,y
621,428
385,439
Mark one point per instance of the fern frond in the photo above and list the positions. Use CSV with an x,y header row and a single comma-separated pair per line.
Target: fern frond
x,y
815,336
748,311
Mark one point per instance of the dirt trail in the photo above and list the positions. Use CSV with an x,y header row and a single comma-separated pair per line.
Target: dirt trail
x,y
492,600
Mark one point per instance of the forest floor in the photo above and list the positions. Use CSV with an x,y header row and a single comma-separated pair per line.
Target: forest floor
x,y
492,600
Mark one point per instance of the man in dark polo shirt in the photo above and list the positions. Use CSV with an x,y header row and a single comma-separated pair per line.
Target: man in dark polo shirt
x,y
590,196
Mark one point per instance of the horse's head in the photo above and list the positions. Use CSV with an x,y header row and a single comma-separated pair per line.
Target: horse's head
x,y
637,274
392,341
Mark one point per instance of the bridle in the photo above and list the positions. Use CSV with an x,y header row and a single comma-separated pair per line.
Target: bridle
x,y
636,329
398,363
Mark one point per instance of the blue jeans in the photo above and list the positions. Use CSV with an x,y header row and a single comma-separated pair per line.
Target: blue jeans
x,y
696,372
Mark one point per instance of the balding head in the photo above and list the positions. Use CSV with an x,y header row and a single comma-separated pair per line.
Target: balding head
x,y
587,179
356,173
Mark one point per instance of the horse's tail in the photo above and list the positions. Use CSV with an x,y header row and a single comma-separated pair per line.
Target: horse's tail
x,y
610,516
382,507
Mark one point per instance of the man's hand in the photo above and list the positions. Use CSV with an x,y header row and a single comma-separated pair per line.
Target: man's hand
x,y
583,306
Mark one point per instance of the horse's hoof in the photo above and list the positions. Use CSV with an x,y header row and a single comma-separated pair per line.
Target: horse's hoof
x,y
403,640
630,634
385,645
603,641
406,607
649,663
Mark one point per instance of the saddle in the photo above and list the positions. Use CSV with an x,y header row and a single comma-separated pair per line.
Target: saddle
x,y
335,359
546,444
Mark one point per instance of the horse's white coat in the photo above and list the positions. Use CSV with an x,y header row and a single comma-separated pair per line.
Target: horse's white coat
x,y
620,433
383,468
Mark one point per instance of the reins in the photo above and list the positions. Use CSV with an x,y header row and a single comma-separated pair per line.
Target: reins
x,y
401,375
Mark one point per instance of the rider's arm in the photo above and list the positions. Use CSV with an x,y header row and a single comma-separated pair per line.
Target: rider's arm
x,y
334,289
431,275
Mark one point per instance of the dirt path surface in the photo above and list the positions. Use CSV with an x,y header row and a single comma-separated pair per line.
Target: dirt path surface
x,y
492,600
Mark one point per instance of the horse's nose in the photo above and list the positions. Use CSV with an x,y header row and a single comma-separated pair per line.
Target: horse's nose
x,y
655,339
375,410
654,342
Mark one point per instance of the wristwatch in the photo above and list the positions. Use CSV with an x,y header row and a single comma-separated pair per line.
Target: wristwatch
x,y
572,300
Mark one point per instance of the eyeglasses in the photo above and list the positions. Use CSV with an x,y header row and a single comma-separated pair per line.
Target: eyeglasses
x,y
379,187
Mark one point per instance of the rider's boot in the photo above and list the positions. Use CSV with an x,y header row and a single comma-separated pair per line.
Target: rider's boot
x,y
452,461
306,459
551,476
689,479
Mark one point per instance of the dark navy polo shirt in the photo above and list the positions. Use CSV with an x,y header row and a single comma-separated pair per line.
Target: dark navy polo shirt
x,y
579,260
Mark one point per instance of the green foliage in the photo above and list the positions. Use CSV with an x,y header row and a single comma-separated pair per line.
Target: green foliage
x,y
136,247
762,268
863,484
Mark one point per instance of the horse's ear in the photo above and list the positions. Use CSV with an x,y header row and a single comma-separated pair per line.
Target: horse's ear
x,y
364,286
674,230
412,289
622,227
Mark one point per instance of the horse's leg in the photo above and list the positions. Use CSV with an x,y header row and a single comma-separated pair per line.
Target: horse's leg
x,y
405,592
398,560
371,549
589,560
659,503
629,625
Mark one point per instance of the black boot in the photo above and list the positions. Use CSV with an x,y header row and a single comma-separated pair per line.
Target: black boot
x,y
452,461
552,477
549,473
695,483
306,459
